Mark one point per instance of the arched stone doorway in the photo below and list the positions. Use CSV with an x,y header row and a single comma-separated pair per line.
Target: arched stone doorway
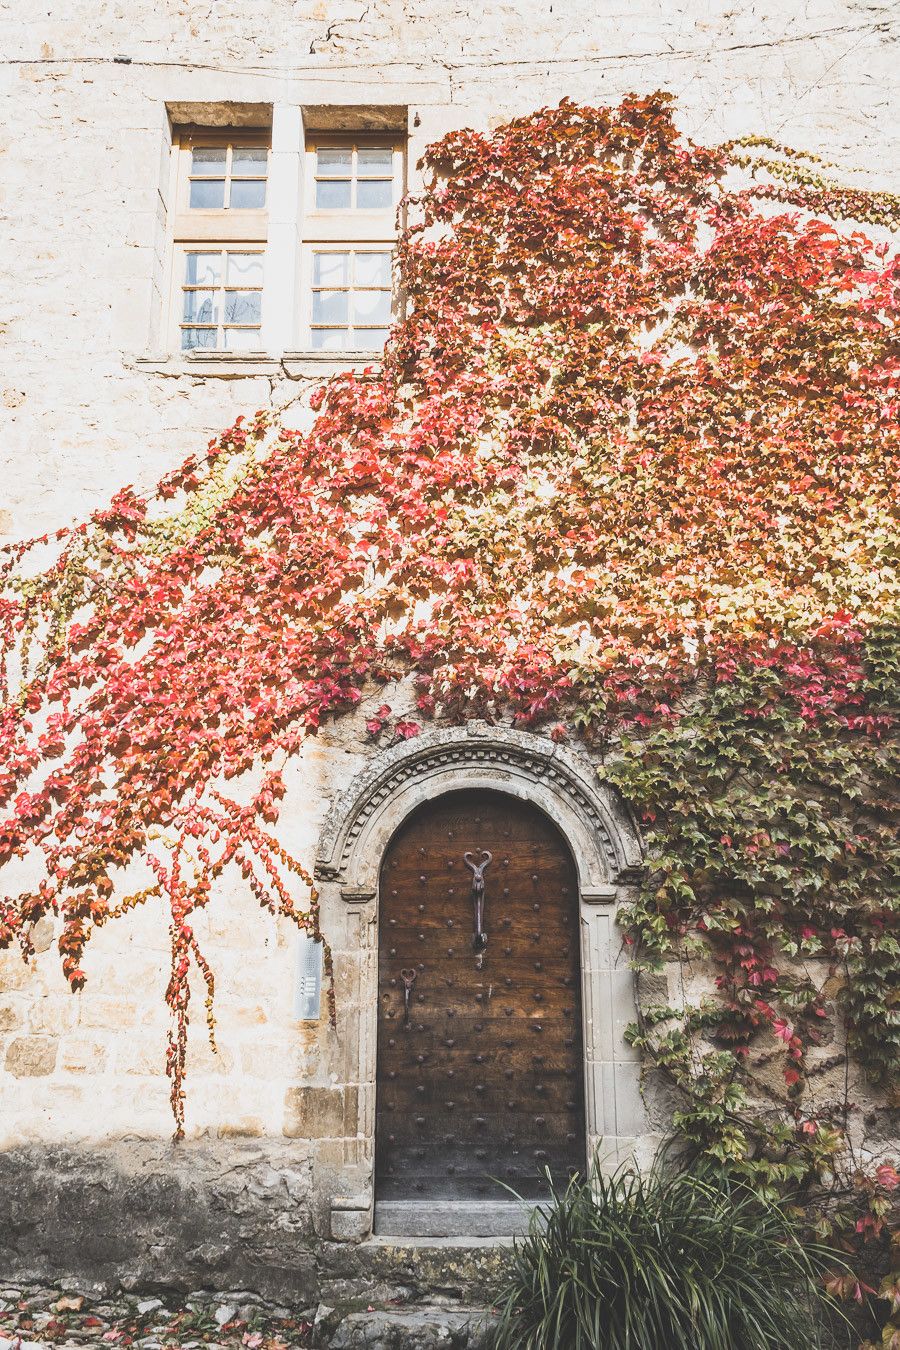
x,y
480,1067
605,853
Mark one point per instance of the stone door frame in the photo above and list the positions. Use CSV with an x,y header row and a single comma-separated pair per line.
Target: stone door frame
x,y
605,845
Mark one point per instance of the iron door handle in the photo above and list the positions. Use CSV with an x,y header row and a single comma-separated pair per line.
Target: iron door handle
x,y
478,870
408,977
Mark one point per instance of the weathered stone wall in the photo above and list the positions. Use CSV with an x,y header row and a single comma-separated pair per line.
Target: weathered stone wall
x,y
90,1182
90,399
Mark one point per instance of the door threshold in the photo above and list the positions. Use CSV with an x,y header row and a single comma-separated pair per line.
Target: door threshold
x,y
463,1219
400,1240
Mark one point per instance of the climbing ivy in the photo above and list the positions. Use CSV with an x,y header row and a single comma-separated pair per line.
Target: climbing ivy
x,y
628,473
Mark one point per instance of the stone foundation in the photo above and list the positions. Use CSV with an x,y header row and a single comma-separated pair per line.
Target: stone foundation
x,y
184,1217
178,1217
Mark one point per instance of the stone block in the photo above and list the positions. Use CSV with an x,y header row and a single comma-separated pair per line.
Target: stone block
x,y
145,1057
42,933
52,1013
16,973
320,1112
653,989
205,1060
351,1225
82,1055
248,1127
415,1329
351,1110
264,1059
107,1014
31,1056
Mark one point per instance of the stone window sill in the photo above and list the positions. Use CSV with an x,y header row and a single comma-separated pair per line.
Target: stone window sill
x,y
319,365
243,365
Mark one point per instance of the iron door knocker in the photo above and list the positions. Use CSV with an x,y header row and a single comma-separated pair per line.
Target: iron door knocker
x,y
409,978
478,870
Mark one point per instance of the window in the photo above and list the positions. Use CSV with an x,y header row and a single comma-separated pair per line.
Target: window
x,y
354,183
222,177
221,229
351,299
315,279
221,299
228,177
353,177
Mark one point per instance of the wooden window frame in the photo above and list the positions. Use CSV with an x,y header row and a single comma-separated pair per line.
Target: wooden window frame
x,y
180,286
229,223
311,248
351,223
348,229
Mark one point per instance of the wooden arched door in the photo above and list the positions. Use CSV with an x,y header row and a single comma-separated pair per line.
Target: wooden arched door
x,y
480,1077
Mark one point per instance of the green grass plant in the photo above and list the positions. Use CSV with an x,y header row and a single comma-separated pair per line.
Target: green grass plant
x,y
663,1260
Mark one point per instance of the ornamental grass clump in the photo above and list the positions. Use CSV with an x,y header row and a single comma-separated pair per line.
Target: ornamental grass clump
x,y
662,1261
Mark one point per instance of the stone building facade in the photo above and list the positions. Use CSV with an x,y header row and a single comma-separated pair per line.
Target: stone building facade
x,y
106,267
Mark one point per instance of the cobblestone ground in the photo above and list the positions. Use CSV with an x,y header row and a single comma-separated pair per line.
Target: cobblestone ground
x,y
36,1316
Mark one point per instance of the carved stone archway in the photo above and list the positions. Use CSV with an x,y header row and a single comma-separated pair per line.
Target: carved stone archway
x,y
606,847
600,831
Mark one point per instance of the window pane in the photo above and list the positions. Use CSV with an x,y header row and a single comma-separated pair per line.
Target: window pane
x,y
329,339
330,307
371,307
203,269
243,306
331,269
208,193
197,337
335,163
242,340
374,194
248,194
208,159
245,269
200,307
369,339
251,159
373,269
333,194
375,163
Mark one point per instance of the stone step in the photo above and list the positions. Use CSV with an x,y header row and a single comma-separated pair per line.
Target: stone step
x,y
412,1270
443,1219
422,1326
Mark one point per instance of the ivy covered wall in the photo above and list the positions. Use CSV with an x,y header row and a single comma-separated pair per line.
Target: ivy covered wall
x,y
628,476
